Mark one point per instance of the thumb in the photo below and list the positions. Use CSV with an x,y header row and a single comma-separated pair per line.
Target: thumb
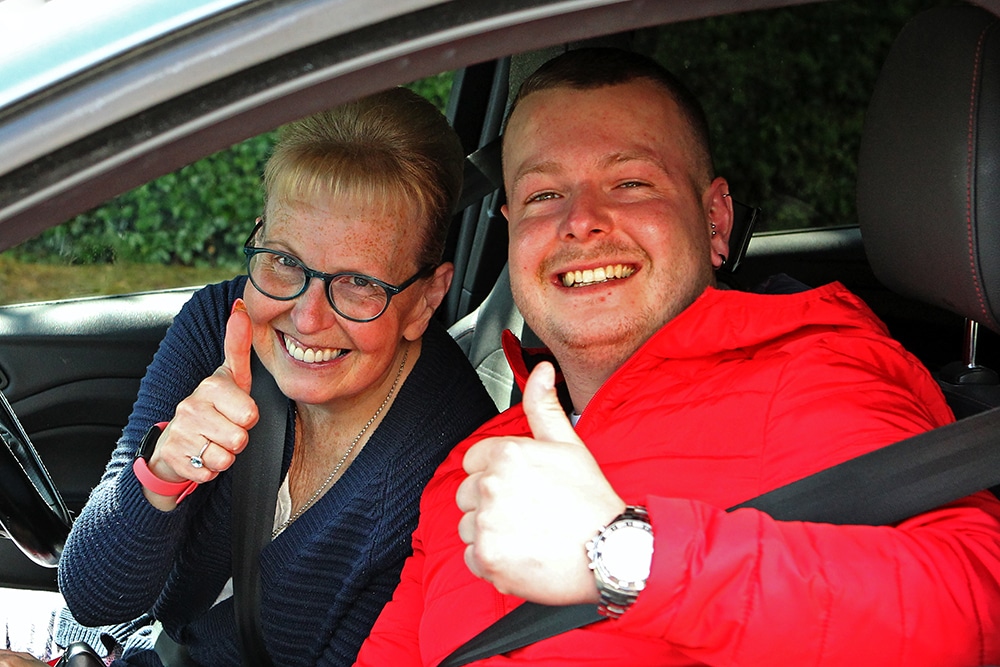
x,y
541,406
239,340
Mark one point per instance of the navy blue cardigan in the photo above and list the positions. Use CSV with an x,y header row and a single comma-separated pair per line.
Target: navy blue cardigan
x,y
326,577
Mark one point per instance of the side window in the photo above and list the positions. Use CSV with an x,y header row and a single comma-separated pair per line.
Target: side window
x,y
785,92
183,229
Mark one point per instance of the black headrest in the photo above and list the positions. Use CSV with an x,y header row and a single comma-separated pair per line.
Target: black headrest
x,y
929,168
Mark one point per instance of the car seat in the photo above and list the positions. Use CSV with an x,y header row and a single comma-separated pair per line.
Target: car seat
x,y
478,334
929,181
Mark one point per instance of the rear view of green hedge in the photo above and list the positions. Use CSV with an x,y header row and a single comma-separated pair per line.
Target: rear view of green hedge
x,y
197,216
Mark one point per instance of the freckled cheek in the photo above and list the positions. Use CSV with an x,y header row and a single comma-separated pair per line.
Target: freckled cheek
x,y
381,336
263,311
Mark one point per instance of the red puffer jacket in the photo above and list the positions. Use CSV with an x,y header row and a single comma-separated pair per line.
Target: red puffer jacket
x,y
739,394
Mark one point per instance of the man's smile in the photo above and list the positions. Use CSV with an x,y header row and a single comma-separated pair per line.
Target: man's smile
x,y
601,274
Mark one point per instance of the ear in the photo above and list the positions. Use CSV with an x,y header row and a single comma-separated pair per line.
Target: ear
x,y
718,205
433,291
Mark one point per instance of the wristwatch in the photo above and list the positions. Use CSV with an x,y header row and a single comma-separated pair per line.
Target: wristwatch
x,y
620,556
140,466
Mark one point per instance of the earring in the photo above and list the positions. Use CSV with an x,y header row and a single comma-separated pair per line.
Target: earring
x,y
714,230
724,260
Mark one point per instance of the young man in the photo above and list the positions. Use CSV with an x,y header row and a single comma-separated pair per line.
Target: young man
x,y
686,400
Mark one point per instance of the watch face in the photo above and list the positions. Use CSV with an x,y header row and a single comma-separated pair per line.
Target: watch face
x,y
626,552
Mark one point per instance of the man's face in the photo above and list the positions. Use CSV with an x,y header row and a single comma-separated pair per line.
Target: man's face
x,y
610,225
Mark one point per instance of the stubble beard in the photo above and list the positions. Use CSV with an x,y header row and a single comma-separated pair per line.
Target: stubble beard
x,y
598,347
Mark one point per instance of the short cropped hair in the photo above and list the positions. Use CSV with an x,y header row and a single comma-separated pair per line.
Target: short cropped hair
x,y
597,67
392,149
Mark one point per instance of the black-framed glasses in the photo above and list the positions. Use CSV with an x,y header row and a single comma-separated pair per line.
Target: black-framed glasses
x,y
354,296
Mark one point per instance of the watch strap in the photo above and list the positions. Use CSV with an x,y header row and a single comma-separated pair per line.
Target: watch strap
x,y
150,481
633,512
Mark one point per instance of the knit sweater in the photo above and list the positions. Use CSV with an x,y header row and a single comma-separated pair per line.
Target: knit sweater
x,y
327,576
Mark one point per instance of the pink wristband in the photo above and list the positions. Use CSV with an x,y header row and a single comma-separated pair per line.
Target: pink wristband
x,y
150,481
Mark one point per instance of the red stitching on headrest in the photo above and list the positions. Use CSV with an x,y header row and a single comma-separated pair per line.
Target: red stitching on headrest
x,y
970,149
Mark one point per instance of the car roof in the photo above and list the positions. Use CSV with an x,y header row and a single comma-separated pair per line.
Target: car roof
x,y
46,42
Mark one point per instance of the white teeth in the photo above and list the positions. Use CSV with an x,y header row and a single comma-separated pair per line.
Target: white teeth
x,y
599,275
308,354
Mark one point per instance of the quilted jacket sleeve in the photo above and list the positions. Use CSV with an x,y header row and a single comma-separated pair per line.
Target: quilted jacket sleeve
x,y
742,588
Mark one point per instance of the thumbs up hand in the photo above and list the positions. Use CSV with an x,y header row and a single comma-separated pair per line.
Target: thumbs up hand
x,y
237,345
531,504
212,422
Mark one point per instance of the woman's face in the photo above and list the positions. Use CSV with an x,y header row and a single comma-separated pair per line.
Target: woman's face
x,y
349,359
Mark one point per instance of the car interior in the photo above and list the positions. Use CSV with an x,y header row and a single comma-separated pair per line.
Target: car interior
x,y
925,256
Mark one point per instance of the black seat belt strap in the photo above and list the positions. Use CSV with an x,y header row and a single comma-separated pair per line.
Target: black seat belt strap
x,y
898,481
256,478
881,487
523,625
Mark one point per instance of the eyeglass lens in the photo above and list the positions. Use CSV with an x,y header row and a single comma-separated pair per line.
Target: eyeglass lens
x,y
282,277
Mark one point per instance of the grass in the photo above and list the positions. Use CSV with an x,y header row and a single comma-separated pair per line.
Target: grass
x,y
25,282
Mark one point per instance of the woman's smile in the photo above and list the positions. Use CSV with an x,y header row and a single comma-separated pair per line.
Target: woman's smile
x,y
310,355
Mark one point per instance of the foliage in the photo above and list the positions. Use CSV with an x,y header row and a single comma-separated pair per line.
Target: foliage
x,y
435,88
198,216
785,92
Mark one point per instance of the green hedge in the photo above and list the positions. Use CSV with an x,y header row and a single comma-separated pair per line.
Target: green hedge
x,y
787,134
197,216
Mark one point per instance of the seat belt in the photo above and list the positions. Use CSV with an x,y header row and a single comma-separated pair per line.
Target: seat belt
x,y
882,487
256,478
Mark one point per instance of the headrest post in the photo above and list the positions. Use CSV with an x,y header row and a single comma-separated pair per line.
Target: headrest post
x,y
971,341
967,371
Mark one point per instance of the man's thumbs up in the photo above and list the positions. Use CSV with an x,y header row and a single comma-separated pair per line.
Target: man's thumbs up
x,y
545,415
531,503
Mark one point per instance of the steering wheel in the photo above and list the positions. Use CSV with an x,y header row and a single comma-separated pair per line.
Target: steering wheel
x,y
32,512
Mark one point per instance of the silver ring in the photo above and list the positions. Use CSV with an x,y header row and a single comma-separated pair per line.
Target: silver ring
x,y
196,461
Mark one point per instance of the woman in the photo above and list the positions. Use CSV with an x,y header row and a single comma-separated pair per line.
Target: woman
x,y
344,276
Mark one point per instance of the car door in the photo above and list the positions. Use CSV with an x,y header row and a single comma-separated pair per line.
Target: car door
x,y
71,371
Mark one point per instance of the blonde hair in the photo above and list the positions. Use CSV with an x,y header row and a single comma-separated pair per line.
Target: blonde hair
x,y
393,149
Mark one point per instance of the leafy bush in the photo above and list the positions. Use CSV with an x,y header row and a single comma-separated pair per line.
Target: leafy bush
x,y
197,216
787,134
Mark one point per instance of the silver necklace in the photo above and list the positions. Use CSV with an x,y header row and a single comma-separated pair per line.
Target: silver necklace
x,y
343,459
